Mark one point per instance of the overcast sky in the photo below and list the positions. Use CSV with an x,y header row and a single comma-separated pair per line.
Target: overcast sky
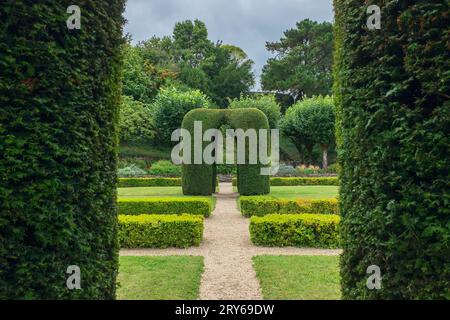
x,y
244,23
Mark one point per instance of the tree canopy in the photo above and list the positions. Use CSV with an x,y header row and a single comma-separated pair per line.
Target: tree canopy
x,y
303,62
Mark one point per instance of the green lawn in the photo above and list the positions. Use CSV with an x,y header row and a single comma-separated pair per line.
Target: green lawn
x,y
312,192
159,278
307,192
298,277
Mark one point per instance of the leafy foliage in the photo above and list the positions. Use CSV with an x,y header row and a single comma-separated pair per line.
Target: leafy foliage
x,y
191,205
219,71
170,107
135,121
160,231
310,122
296,230
60,97
131,171
265,103
261,206
165,168
149,182
303,63
196,176
392,88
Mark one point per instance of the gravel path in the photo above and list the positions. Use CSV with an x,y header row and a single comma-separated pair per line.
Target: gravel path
x,y
228,252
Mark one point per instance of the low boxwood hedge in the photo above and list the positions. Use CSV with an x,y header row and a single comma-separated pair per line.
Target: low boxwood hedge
x,y
300,181
136,206
261,206
149,182
299,230
160,231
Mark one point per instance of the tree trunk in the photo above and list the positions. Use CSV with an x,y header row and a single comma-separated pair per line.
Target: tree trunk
x,y
325,156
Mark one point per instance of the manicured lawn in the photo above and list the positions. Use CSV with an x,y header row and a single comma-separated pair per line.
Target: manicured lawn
x,y
159,278
308,192
312,192
298,277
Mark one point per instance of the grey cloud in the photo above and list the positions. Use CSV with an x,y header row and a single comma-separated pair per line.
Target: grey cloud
x,y
245,23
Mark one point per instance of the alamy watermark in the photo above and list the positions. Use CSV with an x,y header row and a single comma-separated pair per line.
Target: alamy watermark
x,y
374,20
74,21
374,280
261,149
74,280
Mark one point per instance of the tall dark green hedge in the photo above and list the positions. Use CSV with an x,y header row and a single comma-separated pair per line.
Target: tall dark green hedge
x,y
392,98
200,179
59,100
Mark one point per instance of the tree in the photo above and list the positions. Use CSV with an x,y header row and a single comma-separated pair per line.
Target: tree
x,y
219,71
265,103
310,122
170,107
135,121
141,78
303,63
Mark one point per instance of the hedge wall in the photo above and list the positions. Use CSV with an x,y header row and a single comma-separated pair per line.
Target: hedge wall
x,y
160,231
149,182
59,98
136,206
392,92
298,230
261,206
300,181
199,179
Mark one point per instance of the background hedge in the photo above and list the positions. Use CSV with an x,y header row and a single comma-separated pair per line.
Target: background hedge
x,y
299,230
325,181
149,182
160,231
59,98
196,177
136,206
392,100
261,206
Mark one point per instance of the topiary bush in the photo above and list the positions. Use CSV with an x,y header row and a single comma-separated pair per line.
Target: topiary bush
x,y
200,179
296,230
261,206
135,206
60,96
160,231
392,87
266,103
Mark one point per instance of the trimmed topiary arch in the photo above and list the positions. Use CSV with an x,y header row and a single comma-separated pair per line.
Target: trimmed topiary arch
x,y
200,179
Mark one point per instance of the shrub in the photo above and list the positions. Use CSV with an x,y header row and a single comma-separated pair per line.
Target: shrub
x,y
149,182
165,168
265,103
392,88
136,206
131,171
196,176
59,98
169,108
286,171
160,231
135,121
321,181
299,230
260,206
